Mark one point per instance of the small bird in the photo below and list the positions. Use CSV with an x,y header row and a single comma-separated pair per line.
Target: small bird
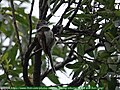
x,y
46,40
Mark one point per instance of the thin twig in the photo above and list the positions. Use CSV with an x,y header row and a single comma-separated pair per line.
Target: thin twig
x,y
16,29
61,19
78,81
7,75
30,20
45,11
35,53
54,10
25,64
76,10
40,9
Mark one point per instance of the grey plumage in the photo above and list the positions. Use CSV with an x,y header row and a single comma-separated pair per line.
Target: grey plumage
x,y
46,39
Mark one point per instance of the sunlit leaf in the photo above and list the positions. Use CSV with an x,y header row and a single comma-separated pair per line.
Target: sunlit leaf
x,y
21,19
53,78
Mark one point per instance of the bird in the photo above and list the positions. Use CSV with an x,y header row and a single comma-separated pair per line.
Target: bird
x,y
46,40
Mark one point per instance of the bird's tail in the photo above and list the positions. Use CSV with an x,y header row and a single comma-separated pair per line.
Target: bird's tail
x,y
51,62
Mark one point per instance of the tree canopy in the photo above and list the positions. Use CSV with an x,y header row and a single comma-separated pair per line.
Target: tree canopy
x,y
88,43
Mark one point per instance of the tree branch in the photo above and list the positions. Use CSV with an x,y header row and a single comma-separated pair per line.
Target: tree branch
x,y
40,9
43,8
54,10
16,30
77,81
37,67
7,75
25,63
76,10
45,11
30,21
61,19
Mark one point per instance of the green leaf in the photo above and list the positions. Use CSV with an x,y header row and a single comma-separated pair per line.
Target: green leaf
x,y
62,51
108,26
2,76
3,81
84,16
4,57
68,14
83,2
80,48
74,66
18,83
101,1
112,84
14,73
105,14
91,53
6,8
94,65
76,22
103,70
117,13
21,11
5,31
109,36
53,78
21,19
13,52
103,54
108,47
92,83
77,72
111,4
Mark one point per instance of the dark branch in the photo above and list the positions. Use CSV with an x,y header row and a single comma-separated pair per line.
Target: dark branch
x,y
76,10
30,21
77,81
45,12
40,9
37,67
43,8
91,49
7,74
54,10
25,63
61,19
16,30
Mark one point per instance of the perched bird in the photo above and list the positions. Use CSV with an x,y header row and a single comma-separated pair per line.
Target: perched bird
x,y
46,40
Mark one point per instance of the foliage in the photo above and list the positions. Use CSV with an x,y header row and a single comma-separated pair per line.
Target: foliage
x,y
90,50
